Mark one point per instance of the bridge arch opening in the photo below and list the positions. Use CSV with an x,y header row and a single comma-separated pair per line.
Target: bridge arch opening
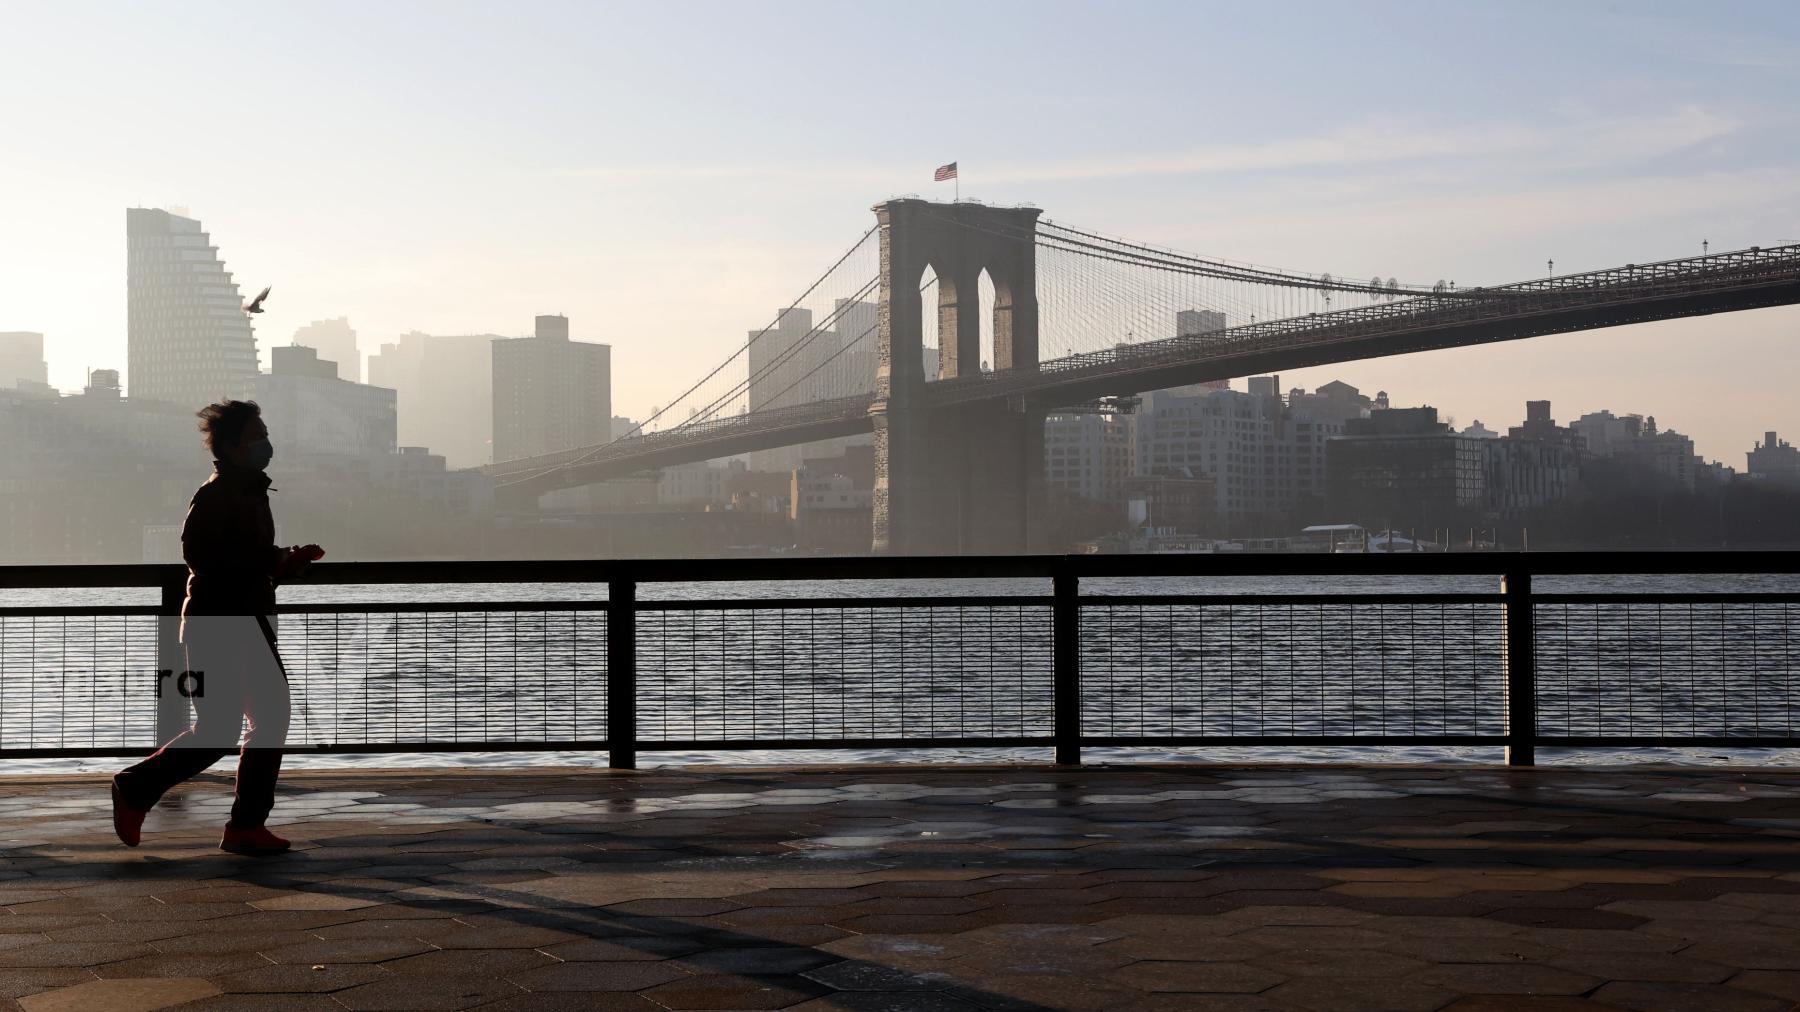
x,y
987,309
930,295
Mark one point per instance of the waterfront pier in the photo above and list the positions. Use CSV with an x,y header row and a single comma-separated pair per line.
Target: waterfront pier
x,y
1060,880
922,888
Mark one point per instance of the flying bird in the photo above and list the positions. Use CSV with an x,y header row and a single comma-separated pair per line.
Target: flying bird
x,y
255,305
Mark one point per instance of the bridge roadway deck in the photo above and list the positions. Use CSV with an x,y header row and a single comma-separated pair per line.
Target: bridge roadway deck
x,y
920,888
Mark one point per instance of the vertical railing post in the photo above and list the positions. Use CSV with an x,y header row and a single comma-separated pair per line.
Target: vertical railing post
x,y
1065,612
173,712
1519,651
621,674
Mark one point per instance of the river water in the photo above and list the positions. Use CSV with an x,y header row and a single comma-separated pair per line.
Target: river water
x,y
1317,673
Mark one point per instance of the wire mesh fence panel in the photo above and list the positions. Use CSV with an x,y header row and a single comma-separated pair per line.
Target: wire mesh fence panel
x,y
850,672
1668,669
1300,669
462,677
78,681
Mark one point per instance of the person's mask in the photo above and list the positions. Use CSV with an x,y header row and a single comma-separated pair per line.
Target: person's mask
x,y
259,453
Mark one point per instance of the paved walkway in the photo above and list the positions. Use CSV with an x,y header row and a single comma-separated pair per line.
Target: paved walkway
x,y
920,889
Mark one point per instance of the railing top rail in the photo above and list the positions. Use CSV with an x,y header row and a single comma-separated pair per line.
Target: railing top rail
x,y
1493,564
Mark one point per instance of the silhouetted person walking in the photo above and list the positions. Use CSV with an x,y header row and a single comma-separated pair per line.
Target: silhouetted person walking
x,y
234,669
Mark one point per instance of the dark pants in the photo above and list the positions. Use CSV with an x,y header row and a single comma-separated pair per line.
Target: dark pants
x,y
240,678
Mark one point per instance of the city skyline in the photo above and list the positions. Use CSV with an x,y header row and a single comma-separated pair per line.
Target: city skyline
x,y
671,220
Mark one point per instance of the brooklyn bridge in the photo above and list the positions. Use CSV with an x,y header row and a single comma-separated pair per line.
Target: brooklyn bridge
x,y
1072,317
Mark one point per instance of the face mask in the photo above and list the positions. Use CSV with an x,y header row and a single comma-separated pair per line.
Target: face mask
x,y
258,454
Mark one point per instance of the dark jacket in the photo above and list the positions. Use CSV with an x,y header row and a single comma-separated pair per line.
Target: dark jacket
x,y
228,542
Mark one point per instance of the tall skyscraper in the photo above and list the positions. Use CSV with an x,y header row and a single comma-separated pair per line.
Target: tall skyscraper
x,y
445,388
1089,455
792,365
22,359
335,341
188,340
550,393
1189,322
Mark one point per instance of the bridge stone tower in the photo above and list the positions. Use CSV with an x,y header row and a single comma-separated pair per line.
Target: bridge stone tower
x,y
965,479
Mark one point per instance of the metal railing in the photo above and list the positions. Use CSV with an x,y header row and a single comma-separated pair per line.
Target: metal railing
x,y
1220,652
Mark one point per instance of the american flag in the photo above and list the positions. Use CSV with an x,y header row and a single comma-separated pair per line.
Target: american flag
x,y
944,172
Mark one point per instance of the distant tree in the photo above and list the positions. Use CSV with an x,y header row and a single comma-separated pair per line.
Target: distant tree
x,y
1375,284
1438,288
1393,289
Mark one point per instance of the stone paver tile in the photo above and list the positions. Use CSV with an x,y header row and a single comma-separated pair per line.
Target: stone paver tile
x,y
1470,949
313,978
720,991
248,941
1748,957
1506,978
620,976
1643,966
1567,917
1692,910
887,1001
481,962
359,950
1303,936
623,948
262,1003
1239,978
915,924
505,937
1207,1003
674,907
1663,996
856,975
1400,890
313,901
1780,983
1037,992
1025,958
1310,916
183,964
414,993
1440,927
761,960
1204,948
135,994
1589,940
18,982
1724,932
1773,903
573,1001
906,951
1325,995
45,954
109,931
1526,1003
1339,964
428,928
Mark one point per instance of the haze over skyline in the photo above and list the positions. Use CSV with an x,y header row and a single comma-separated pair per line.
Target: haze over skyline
x,y
463,168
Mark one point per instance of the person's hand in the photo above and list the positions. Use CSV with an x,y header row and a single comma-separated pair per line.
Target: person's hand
x,y
296,560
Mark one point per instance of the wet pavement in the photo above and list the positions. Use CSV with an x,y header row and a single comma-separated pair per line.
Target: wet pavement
x,y
919,888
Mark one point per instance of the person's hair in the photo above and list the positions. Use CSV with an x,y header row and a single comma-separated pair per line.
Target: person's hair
x,y
222,424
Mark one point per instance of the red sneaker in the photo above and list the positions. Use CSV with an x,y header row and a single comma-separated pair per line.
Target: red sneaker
x,y
128,822
256,842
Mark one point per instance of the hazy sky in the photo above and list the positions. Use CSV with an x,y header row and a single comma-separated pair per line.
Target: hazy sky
x,y
668,173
